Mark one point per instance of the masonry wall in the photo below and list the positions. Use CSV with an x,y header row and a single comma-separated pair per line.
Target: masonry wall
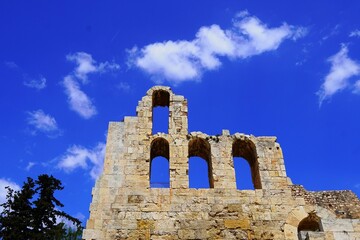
x,y
124,206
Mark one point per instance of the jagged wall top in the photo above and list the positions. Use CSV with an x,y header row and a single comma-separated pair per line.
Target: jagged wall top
x,y
141,145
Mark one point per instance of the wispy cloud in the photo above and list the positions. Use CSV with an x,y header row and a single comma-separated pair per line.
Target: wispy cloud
x,y
11,64
77,99
342,70
3,192
31,82
182,60
355,33
44,123
86,65
357,87
334,31
36,83
90,159
30,165
123,86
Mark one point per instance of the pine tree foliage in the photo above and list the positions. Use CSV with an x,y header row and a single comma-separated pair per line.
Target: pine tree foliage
x,y
33,212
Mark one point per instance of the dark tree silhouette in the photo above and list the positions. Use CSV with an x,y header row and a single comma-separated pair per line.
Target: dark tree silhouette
x,y
16,219
24,217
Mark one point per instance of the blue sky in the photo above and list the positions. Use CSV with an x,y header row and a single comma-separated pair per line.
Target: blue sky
x,y
286,69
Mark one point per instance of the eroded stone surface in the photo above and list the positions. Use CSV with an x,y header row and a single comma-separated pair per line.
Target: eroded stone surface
x,y
124,206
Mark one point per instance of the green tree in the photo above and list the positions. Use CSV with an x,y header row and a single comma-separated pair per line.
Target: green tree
x,y
25,217
73,234
16,218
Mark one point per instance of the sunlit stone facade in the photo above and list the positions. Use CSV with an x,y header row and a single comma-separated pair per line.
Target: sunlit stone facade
x,y
125,206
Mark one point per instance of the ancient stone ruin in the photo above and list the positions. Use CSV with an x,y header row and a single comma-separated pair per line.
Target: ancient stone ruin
x,y
126,206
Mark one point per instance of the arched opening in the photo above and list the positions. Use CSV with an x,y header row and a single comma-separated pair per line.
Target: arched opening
x,y
245,150
160,111
160,175
159,164
309,224
198,173
200,168
243,174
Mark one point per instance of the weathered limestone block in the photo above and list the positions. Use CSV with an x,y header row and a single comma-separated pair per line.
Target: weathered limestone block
x,y
337,225
237,223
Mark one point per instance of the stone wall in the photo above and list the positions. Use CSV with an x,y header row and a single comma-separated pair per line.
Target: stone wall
x,y
124,206
344,203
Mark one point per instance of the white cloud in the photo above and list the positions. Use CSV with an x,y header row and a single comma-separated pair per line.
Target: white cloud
x,y
179,61
80,157
30,165
77,99
3,191
42,122
86,65
242,14
342,69
252,37
355,33
36,83
357,87
170,60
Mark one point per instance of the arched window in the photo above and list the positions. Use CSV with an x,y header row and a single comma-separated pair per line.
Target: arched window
x,y
309,224
159,164
160,111
200,168
245,150
242,174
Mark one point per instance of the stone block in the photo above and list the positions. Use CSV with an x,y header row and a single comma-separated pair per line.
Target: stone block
x,y
237,223
337,225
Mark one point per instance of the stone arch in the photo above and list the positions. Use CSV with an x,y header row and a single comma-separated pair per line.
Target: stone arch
x,y
199,147
300,213
158,87
160,98
245,148
159,148
310,223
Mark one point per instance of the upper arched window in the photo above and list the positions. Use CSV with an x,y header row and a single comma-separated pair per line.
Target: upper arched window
x,y
245,150
200,167
160,98
159,164
160,111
